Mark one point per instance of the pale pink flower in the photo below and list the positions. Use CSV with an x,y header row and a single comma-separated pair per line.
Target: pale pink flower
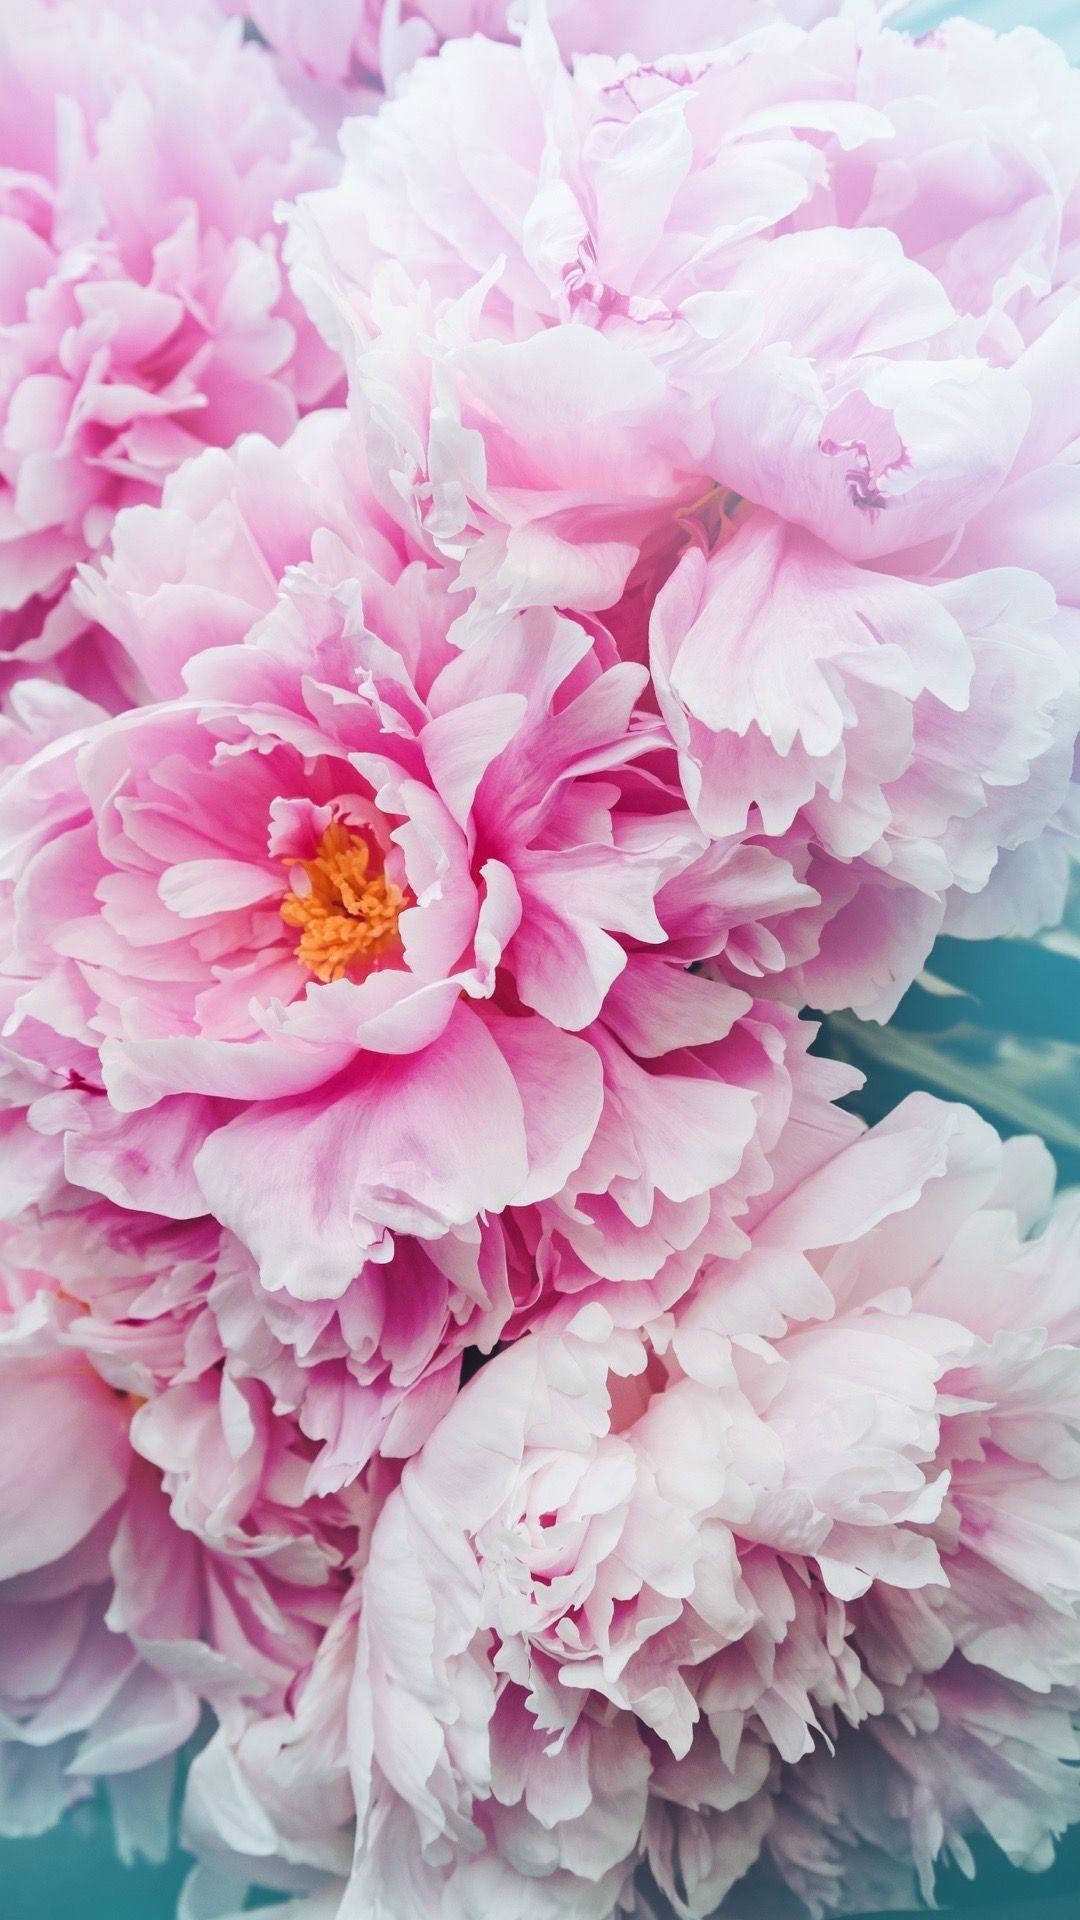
x,y
353,42
692,331
965,1751
635,1581
918,734
145,313
160,1547
270,1796
807,376
202,567
980,1681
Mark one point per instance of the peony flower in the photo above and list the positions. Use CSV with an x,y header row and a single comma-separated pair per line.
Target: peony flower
x,y
145,314
636,1582
78,1701
40,712
354,41
703,312
156,1553
367,939
176,1311
275,1789
202,567
859,756
452,1337
804,389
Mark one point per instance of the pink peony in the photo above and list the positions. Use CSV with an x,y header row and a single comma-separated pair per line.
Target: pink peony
x,y
820,141
635,1582
270,1795
451,1335
802,389
145,314
202,567
40,712
368,940
156,1551
354,41
918,734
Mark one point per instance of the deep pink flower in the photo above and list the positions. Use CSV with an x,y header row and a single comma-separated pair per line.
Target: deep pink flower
x,y
363,938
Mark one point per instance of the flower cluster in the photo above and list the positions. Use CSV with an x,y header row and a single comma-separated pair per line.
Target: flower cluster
x,y
724,363
499,623
636,1578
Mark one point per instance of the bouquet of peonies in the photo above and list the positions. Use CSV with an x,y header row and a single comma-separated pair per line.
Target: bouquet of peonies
x,y
536,543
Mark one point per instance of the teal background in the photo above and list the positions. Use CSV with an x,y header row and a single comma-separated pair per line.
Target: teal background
x,y
995,1024
73,1874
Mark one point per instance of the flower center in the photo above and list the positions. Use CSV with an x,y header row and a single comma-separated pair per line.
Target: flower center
x,y
711,519
345,913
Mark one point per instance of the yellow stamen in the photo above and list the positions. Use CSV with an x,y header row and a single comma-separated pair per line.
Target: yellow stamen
x,y
347,915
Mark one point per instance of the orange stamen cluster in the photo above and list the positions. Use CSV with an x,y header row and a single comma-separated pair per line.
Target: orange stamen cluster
x,y
348,914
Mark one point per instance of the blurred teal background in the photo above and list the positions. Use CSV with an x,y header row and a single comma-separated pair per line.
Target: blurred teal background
x,y
1058,18
995,1024
73,1874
